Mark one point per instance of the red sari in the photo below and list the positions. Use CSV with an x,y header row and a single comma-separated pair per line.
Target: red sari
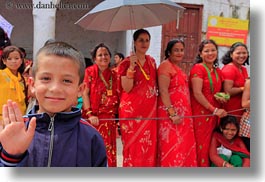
x,y
205,125
104,106
139,137
231,72
236,146
176,143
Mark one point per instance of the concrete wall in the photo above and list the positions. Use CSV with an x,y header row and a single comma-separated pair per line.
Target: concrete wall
x,y
22,20
19,14
85,40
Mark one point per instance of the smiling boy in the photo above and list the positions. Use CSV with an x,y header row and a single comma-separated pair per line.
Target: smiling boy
x,y
55,134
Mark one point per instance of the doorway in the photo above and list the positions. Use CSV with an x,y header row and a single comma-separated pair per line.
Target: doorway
x,y
189,29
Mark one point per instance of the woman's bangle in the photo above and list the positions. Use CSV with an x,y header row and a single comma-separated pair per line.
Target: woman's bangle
x,y
171,111
224,163
87,112
215,111
171,106
130,73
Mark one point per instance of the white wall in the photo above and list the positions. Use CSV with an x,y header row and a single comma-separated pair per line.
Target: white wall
x,y
155,43
84,40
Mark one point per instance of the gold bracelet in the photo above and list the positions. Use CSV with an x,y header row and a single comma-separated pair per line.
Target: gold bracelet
x,y
130,73
171,111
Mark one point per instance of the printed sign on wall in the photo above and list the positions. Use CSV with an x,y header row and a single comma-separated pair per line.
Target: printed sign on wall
x,y
226,31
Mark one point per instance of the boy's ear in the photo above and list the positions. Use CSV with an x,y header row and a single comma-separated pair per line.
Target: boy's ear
x,y
31,84
81,89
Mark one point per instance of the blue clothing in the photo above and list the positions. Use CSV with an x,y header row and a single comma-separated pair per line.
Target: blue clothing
x,y
64,140
79,102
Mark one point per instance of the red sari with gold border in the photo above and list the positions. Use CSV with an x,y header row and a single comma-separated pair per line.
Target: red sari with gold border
x,y
205,125
104,106
139,137
176,142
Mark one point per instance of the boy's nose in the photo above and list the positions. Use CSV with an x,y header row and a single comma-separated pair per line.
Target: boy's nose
x,y
55,86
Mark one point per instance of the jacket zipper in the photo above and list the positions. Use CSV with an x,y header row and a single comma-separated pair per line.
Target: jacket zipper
x,y
51,129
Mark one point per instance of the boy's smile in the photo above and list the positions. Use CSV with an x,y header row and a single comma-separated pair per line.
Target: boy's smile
x,y
56,84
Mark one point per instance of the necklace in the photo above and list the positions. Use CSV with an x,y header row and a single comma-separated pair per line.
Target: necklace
x,y
147,77
210,77
108,87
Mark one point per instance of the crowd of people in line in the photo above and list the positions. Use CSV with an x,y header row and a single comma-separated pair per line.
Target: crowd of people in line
x,y
166,118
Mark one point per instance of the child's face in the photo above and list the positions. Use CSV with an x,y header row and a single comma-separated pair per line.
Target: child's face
x,y
229,131
56,84
13,62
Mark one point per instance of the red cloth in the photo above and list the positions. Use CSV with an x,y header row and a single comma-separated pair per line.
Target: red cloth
x,y
204,125
104,107
139,137
231,72
236,146
176,143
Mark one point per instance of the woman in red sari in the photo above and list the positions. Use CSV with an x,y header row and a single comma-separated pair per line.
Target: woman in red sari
x,y
235,74
138,100
206,80
227,149
100,99
176,141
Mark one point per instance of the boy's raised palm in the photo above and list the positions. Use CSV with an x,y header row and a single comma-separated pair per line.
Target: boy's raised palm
x,y
14,136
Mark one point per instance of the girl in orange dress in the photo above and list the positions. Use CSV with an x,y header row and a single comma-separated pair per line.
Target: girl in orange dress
x,y
12,83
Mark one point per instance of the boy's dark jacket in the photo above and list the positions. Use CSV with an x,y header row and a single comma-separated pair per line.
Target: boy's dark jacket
x,y
72,143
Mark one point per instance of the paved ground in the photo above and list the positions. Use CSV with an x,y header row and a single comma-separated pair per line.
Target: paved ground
x,y
119,152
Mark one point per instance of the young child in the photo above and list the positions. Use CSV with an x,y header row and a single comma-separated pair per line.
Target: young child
x,y
55,135
12,83
227,149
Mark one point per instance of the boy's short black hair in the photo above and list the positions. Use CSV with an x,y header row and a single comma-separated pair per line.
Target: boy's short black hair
x,y
62,49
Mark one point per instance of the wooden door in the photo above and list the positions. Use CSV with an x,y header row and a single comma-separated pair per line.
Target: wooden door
x,y
189,28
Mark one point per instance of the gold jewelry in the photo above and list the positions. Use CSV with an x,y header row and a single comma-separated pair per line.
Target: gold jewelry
x,y
147,77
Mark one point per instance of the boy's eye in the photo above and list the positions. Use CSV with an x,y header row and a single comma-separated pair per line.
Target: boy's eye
x,y
67,81
45,78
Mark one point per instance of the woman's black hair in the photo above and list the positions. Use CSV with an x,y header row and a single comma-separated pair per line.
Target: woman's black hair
x,y
94,51
137,33
170,45
227,56
120,55
198,58
4,40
